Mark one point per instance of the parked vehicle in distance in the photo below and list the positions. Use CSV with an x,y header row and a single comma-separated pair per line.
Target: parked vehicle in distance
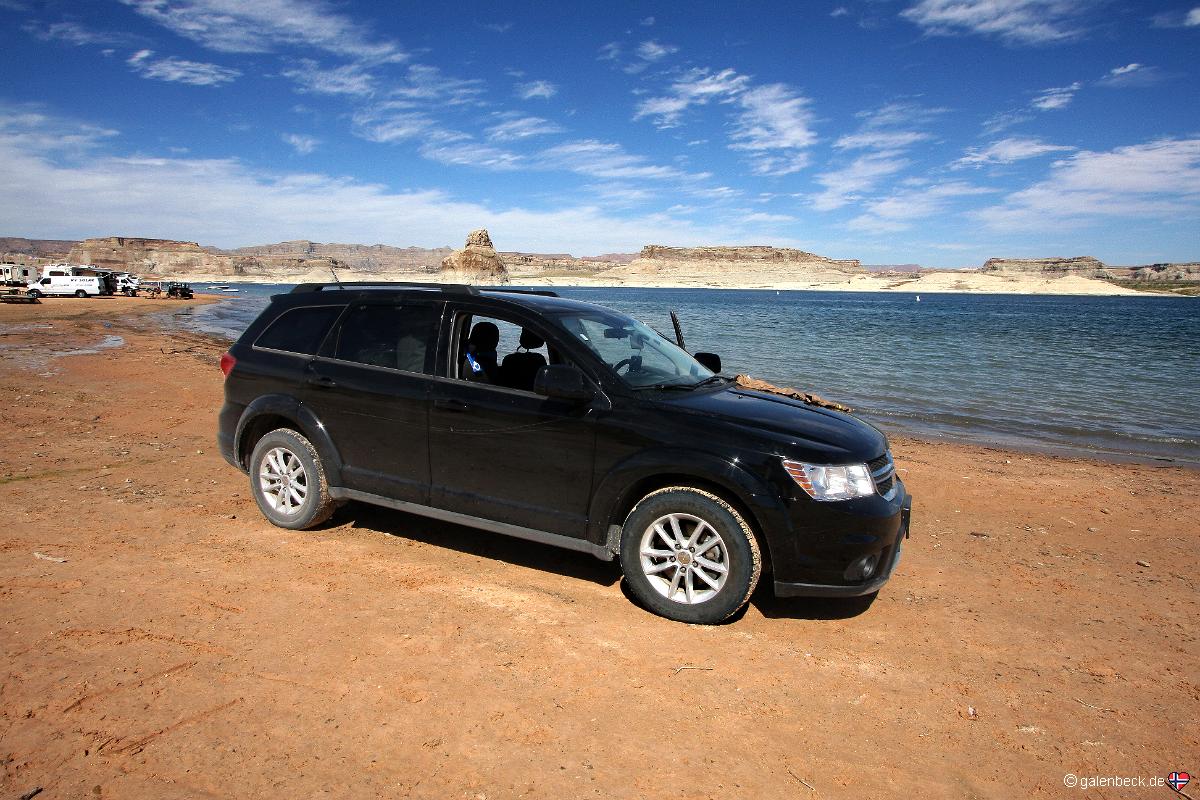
x,y
53,285
18,274
562,422
178,291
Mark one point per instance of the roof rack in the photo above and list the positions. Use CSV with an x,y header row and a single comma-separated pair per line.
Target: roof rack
x,y
450,288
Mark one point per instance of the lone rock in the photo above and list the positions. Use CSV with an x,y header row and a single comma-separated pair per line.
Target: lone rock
x,y
477,262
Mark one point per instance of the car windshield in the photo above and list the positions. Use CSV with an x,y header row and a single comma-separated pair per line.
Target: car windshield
x,y
640,355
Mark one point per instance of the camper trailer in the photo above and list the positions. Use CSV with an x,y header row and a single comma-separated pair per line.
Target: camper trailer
x,y
18,274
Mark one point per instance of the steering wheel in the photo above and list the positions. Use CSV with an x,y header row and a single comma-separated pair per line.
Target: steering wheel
x,y
625,362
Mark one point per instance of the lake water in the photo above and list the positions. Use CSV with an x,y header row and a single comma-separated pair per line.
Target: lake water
x,y
1104,375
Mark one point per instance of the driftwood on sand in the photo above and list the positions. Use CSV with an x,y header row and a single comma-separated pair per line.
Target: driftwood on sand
x,y
746,382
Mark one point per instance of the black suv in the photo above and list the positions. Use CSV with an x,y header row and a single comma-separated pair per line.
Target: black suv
x,y
560,422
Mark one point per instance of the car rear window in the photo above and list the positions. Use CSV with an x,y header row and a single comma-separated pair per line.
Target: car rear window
x,y
300,330
386,335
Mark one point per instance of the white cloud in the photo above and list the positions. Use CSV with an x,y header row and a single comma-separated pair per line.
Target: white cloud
x,y
472,154
897,211
513,127
1159,180
654,51
899,113
351,79
541,90
225,203
880,140
497,27
1007,151
610,52
695,87
76,33
303,144
1026,22
840,11
1056,97
847,184
427,84
178,70
261,26
608,160
1005,119
1193,17
390,121
1131,76
647,22
775,125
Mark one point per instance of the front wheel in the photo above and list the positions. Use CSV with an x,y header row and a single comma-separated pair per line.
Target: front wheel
x,y
688,555
34,293
80,293
288,481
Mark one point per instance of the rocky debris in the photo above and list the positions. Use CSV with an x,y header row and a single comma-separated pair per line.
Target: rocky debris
x,y
1168,272
477,262
1083,266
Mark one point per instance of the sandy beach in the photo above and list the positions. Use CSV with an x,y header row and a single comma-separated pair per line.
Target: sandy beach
x,y
162,640
965,282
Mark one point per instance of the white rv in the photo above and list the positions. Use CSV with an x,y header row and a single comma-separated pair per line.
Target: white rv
x,y
18,274
55,283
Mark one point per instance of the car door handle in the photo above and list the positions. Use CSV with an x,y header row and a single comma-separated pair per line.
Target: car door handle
x,y
451,405
321,380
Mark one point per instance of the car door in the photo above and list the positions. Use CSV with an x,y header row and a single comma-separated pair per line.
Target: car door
x,y
370,388
507,454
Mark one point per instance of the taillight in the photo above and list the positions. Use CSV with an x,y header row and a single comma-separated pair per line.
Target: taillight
x,y
227,363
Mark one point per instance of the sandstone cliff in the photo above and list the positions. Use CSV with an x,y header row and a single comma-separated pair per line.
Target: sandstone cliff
x,y
360,257
1189,271
477,262
749,266
1086,266
155,258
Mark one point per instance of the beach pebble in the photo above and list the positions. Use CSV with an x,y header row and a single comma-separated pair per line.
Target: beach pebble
x,y
1143,563
1092,530
981,534
1105,511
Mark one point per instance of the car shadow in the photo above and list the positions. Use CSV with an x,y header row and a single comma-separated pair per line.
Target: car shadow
x,y
814,608
472,541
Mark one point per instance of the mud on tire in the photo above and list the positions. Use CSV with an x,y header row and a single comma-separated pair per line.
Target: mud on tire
x,y
287,480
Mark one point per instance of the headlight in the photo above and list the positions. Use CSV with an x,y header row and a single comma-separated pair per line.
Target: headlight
x,y
831,483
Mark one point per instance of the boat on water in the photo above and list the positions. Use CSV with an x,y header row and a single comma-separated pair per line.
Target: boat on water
x,y
227,289
221,287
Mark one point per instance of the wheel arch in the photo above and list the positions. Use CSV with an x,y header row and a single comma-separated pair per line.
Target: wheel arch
x,y
620,490
269,412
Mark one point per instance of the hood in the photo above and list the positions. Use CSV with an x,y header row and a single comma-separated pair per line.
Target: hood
x,y
802,431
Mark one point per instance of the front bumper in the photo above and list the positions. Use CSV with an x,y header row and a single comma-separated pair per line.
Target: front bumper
x,y
890,557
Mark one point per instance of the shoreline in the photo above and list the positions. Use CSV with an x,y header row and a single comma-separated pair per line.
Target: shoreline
x,y
932,283
151,636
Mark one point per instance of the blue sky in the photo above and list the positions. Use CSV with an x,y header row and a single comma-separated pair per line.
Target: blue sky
x,y
940,132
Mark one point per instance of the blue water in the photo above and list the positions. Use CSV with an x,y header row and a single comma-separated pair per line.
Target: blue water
x,y
1104,375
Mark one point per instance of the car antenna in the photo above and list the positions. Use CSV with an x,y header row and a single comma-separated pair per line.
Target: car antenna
x,y
678,330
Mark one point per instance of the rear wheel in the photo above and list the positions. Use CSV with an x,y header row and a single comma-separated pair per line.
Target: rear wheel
x,y
34,293
688,555
80,293
288,481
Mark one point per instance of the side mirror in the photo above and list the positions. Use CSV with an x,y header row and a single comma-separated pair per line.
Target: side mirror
x,y
564,382
710,360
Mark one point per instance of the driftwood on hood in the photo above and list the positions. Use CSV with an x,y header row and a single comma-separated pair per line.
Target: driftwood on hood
x,y
746,382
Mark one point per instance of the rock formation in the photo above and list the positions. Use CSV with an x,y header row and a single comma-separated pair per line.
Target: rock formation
x,y
751,265
1168,272
1084,266
165,258
361,257
477,262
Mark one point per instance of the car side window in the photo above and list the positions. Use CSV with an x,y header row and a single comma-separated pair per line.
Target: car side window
x,y
500,352
385,335
299,330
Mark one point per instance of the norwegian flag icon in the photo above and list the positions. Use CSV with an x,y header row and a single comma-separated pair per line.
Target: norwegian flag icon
x,y
1178,780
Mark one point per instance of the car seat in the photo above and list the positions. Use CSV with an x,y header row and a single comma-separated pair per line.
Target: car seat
x,y
520,369
479,360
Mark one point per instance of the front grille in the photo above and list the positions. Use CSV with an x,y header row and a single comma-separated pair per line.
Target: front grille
x,y
883,472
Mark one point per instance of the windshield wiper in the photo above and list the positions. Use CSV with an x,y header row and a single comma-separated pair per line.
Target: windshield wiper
x,y
684,386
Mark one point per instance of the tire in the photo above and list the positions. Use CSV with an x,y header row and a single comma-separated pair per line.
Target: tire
x,y
306,503
34,293
81,294
652,555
